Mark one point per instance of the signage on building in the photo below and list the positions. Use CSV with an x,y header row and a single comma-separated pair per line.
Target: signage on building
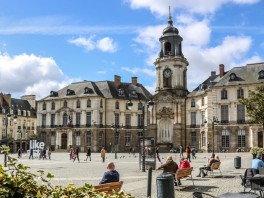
x,y
33,144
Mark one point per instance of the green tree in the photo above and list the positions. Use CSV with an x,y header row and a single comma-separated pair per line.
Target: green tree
x,y
255,105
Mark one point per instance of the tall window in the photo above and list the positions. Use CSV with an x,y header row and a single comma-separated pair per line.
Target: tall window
x,y
240,114
224,114
203,139
224,94
140,106
128,120
193,119
116,119
53,105
240,93
44,106
140,120
193,102
78,103
225,138
65,103
52,120
100,139
88,138
241,138
202,117
88,119
78,138
65,119
116,105
101,118
78,119
89,103
127,140
53,139
193,139
101,103
202,101
43,120
43,136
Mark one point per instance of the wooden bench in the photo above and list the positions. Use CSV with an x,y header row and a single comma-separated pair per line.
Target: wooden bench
x,y
183,173
215,166
108,188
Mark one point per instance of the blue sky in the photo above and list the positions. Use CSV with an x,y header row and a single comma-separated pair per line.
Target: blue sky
x,y
45,45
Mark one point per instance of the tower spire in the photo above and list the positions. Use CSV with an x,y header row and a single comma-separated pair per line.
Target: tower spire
x,y
170,22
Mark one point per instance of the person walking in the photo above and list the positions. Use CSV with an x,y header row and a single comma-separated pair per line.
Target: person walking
x,y
44,154
31,154
103,151
181,151
71,151
188,153
193,151
19,153
88,154
49,153
157,153
77,154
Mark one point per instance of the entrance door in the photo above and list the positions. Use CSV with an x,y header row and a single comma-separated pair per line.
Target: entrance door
x,y
260,139
64,141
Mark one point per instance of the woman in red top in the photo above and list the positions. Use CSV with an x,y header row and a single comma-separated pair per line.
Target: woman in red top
x,y
184,163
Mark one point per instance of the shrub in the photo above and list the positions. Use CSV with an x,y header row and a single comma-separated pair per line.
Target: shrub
x,y
17,182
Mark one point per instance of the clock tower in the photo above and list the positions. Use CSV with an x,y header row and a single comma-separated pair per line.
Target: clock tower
x,y
171,89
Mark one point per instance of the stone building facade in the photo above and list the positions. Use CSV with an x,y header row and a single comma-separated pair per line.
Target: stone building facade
x,y
93,114
215,117
18,121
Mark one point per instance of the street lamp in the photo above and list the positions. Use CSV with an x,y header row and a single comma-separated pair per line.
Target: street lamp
x,y
7,118
116,127
214,120
149,105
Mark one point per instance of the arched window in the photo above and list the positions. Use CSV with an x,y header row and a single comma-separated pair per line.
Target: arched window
x,y
52,105
89,103
78,103
225,138
241,138
116,105
193,102
167,48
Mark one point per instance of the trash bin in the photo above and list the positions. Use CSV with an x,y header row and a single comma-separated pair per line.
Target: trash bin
x,y
165,186
237,162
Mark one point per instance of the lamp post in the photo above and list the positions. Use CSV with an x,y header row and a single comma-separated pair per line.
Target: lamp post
x,y
214,120
7,118
116,127
150,105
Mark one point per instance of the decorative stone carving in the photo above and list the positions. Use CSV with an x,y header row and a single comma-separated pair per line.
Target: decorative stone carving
x,y
165,112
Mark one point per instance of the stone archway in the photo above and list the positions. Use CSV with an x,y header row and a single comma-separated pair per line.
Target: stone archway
x,y
64,140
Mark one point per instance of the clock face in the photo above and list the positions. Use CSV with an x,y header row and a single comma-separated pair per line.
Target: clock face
x,y
167,73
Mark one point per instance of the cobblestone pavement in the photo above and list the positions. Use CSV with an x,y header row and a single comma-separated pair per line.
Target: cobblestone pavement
x,y
135,181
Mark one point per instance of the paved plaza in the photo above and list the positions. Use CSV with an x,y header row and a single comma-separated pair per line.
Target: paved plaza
x,y
135,181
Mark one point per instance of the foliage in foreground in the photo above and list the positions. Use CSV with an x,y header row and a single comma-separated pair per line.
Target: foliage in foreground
x,y
17,182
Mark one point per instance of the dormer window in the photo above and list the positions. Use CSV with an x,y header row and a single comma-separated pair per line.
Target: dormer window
x,y
232,76
88,90
261,74
53,94
134,94
70,92
121,92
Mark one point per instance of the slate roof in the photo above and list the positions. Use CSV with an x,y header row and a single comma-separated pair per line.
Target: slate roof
x,y
23,105
105,89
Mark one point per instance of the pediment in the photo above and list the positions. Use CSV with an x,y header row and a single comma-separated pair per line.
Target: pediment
x,y
64,109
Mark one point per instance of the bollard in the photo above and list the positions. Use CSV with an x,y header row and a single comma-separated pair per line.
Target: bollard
x,y
237,162
149,182
165,186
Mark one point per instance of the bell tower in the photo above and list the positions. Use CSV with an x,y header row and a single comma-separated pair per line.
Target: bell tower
x,y
171,66
171,89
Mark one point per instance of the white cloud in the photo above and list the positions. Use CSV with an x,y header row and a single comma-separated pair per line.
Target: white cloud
x,y
203,7
30,74
137,70
105,44
101,72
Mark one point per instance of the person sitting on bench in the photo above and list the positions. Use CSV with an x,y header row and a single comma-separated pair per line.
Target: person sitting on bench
x,y
207,167
111,175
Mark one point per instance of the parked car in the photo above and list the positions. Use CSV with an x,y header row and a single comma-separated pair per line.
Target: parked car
x,y
174,150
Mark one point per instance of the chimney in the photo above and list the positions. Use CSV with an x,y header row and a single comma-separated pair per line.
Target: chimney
x,y
7,98
117,80
221,70
134,80
213,73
